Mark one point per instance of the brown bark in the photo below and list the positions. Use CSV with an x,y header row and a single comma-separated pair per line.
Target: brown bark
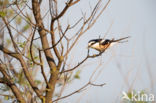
x,y
9,82
49,56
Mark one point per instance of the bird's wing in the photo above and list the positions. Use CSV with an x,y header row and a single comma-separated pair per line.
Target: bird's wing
x,y
96,40
103,42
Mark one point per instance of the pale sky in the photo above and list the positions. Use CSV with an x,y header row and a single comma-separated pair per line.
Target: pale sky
x,y
123,66
135,18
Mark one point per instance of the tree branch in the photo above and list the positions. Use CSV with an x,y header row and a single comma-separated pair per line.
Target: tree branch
x,y
87,57
77,91
49,57
9,82
31,54
6,51
25,69
11,36
42,69
63,11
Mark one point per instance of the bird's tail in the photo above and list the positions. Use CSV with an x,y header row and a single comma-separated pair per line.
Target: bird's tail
x,y
118,40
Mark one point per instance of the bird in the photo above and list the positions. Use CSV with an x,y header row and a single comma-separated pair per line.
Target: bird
x,y
102,44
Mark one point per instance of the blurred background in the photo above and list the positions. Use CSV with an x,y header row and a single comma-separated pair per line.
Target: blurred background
x,y
125,67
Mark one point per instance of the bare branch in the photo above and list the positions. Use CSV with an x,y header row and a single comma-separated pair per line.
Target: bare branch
x,y
6,51
98,84
13,18
82,30
75,2
42,69
76,23
77,91
11,36
63,11
8,81
31,48
63,34
49,57
24,66
87,57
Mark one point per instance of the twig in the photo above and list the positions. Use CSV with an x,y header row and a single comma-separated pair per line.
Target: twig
x,y
63,11
31,48
98,84
42,69
63,34
81,31
76,23
13,18
87,57
77,91
9,82
11,36
72,92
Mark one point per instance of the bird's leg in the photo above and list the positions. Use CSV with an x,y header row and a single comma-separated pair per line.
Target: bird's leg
x,y
88,52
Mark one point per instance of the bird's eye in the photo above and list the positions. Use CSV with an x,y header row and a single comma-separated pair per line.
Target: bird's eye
x,y
107,41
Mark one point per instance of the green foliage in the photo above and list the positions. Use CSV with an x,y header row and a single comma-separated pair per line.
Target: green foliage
x,y
2,14
10,13
25,28
77,74
8,41
22,44
21,78
37,82
6,97
35,57
18,20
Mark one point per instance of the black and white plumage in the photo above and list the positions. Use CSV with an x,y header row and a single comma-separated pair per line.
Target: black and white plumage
x,y
101,44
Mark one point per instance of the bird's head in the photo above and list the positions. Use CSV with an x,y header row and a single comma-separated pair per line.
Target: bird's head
x,y
90,43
